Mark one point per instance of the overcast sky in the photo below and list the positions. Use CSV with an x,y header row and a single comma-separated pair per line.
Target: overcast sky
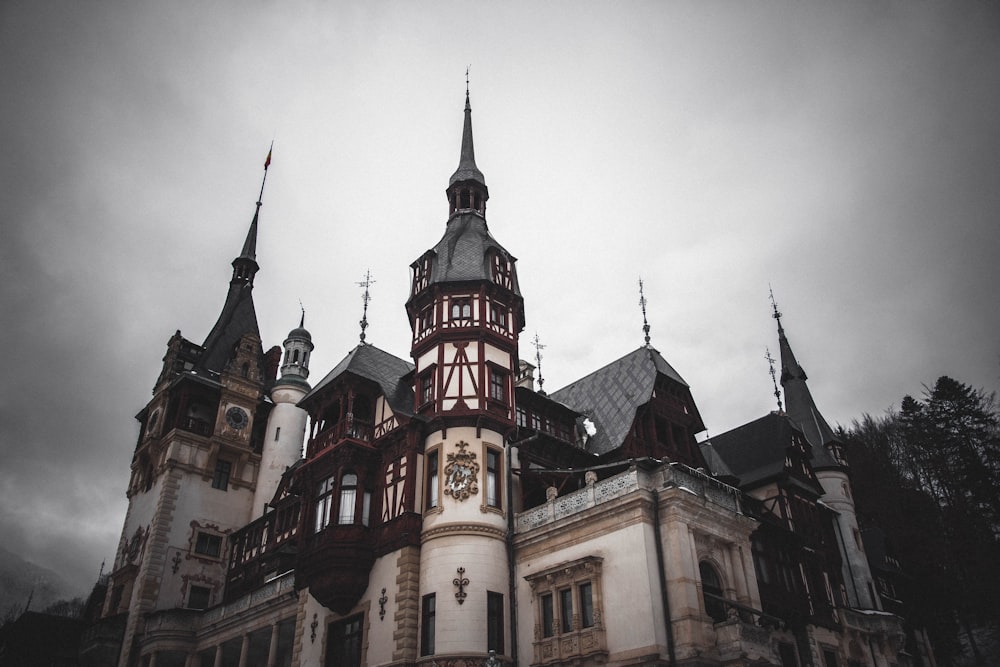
x,y
845,154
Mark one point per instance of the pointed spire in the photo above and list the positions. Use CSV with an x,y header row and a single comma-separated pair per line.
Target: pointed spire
x,y
467,169
799,403
238,316
245,266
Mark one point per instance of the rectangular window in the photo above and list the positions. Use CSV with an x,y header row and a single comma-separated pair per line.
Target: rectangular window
x,y
277,433
566,610
426,388
522,417
208,544
830,658
324,501
432,480
787,654
492,478
366,508
586,605
348,499
494,622
548,627
343,643
498,315
221,478
427,625
199,597
498,385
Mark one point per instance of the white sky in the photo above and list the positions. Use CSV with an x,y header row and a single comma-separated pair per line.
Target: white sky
x,y
843,153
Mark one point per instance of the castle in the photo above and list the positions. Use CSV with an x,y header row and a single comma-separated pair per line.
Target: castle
x,y
444,511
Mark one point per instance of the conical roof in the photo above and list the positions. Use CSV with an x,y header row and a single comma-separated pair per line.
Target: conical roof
x,y
467,169
801,408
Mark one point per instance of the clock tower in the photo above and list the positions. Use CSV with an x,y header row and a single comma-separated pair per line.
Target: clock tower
x,y
196,462
466,311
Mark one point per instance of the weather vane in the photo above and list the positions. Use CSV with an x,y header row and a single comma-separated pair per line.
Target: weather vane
x,y
774,307
366,297
302,322
774,381
642,304
538,362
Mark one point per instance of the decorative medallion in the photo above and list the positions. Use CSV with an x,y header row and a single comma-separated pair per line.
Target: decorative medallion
x,y
461,474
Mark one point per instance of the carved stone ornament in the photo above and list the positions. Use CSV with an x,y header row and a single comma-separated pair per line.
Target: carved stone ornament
x,y
461,474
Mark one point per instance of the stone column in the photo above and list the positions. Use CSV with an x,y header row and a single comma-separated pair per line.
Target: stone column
x,y
272,651
244,650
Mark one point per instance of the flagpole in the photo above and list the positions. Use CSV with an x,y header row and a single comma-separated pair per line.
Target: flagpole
x,y
267,163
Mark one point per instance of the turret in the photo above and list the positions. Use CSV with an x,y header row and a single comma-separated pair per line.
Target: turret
x,y
466,311
831,471
286,425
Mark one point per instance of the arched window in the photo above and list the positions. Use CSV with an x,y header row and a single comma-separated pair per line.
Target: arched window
x,y
711,591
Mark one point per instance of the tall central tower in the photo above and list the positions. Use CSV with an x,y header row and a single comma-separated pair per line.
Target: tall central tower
x,y
465,311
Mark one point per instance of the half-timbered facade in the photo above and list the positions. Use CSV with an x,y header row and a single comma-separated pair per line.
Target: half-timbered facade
x,y
442,511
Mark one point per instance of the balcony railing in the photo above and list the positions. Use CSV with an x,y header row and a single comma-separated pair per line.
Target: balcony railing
x,y
348,429
744,631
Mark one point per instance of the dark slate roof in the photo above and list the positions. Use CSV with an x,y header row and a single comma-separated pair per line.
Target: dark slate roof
x,y
386,370
755,452
610,396
467,169
801,407
462,253
238,317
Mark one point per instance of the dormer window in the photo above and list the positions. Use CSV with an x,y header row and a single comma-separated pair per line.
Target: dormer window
x,y
498,315
461,312
501,271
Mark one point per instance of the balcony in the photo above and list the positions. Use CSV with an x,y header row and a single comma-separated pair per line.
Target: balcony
x,y
347,429
194,425
745,632
262,549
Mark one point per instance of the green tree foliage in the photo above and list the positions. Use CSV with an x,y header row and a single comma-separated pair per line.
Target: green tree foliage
x,y
927,475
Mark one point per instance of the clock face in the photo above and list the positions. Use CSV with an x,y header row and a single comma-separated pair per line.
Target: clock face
x,y
237,418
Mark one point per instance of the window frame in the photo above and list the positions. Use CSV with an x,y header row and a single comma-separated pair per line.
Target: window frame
x,y
202,548
494,622
432,479
428,615
493,477
558,591
207,592
323,505
223,473
345,646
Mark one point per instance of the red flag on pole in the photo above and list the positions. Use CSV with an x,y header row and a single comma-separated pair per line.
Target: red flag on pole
x,y
267,162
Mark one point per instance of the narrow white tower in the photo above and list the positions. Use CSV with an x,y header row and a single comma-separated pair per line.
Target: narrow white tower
x,y
286,425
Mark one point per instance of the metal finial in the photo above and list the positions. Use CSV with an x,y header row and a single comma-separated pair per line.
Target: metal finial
x,y
366,297
642,304
776,314
774,380
538,362
302,321
467,67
